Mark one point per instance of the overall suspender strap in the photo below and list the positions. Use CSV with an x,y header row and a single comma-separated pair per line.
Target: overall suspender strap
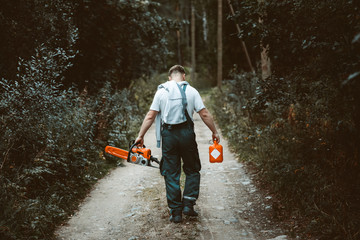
x,y
184,103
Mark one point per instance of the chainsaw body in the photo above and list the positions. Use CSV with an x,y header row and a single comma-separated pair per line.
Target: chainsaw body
x,y
140,156
136,155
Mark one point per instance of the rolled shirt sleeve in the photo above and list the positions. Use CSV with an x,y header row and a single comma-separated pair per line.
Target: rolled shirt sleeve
x,y
156,102
199,105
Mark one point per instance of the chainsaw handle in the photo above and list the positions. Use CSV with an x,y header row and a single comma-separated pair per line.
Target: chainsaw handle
x,y
131,147
132,143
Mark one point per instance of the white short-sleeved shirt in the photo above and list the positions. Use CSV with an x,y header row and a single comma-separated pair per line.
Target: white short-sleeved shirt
x,y
194,103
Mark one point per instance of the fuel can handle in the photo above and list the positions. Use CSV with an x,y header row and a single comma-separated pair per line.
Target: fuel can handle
x,y
216,153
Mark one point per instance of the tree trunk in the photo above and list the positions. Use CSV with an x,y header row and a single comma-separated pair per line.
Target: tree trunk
x,y
186,17
265,59
205,25
242,42
219,45
178,35
265,62
193,60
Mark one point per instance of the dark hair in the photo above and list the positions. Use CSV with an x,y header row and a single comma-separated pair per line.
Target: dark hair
x,y
176,69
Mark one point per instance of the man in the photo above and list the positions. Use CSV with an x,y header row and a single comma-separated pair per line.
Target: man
x,y
173,106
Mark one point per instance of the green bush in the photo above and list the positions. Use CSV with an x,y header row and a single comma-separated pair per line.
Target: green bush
x,y
308,161
300,127
63,67
144,90
52,143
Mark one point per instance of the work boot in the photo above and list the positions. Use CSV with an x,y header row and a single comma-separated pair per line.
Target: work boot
x,y
176,216
189,210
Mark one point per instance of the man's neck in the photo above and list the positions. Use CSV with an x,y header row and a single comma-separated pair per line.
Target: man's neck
x,y
177,80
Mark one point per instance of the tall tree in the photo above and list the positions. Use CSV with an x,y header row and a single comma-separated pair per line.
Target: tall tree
x,y
185,11
193,59
219,45
178,34
118,41
242,41
265,59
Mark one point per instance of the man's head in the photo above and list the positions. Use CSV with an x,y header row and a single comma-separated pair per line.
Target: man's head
x,y
177,72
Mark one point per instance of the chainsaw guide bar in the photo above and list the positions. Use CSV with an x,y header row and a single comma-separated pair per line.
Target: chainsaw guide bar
x,y
135,155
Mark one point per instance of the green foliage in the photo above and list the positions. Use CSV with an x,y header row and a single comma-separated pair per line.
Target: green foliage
x,y
52,143
53,136
300,32
27,24
119,41
312,164
119,112
145,88
300,127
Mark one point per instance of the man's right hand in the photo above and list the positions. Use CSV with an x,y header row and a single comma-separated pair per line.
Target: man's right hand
x,y
139,141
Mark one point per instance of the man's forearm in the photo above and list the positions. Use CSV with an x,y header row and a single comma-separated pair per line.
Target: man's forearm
x,y
148,121
208,120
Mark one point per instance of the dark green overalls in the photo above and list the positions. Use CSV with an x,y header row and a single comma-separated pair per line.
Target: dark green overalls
x,y
178,142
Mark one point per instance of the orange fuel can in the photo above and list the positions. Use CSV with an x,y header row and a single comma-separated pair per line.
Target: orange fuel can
x,y
216,153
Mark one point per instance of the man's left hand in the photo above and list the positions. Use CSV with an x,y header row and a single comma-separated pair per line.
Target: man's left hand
x,y
216,137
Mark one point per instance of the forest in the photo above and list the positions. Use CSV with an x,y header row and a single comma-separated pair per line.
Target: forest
x,y
282,78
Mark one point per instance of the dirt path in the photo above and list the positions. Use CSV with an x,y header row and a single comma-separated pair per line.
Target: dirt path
x,y
130,203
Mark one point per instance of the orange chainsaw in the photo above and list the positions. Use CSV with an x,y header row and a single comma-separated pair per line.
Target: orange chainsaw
x,y
136,155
